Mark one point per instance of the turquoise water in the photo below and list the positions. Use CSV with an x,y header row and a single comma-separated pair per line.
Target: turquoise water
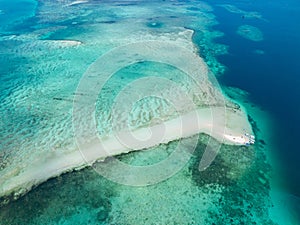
x,y
189,197
39,77
273,83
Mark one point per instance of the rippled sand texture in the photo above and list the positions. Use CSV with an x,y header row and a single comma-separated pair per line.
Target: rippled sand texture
x,y
50,60
214,196
43,66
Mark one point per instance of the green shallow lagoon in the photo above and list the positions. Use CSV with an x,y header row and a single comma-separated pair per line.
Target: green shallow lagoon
x,y
43,57
226,191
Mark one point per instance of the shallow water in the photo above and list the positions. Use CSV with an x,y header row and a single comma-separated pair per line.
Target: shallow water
x,y
214,196
270,76
39,76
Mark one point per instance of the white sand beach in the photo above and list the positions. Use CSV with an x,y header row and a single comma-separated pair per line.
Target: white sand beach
x,y
228,127
209,115
77,2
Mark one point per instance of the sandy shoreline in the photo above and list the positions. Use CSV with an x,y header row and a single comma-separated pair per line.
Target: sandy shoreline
x,y
226,125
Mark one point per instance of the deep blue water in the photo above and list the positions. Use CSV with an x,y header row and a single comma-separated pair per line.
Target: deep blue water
x,y
273,78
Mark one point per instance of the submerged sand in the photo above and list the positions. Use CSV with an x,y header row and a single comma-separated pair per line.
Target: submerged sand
x,y
219,118
55,164
228,124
